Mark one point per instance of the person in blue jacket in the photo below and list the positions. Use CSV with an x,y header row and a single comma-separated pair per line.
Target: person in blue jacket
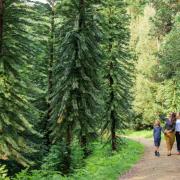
x,y
157,136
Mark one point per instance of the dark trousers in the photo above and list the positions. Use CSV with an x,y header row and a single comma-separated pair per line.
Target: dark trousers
x,y
178,140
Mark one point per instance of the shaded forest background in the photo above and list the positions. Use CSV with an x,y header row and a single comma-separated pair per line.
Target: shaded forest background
x,y
74,72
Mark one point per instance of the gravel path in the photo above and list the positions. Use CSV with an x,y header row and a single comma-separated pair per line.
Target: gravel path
x,y
155,168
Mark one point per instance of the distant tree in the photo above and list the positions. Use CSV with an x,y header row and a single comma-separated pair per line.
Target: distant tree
x,y
145,89
168,68
163,20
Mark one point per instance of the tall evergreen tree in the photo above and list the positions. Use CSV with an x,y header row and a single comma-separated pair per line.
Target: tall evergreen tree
x,y
50,14
51,52
74,102
117,67
16,48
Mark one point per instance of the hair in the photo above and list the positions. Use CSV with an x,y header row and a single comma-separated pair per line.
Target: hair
x,y
157,122
178,115
173,117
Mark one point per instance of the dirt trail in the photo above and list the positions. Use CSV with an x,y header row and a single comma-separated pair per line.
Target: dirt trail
x,y
154,168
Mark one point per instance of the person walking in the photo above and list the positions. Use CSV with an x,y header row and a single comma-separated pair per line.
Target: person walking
x,y
169,132
157,136
177,128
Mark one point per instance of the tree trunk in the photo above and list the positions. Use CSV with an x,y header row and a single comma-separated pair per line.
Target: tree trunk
x,y
67,157
111,83
1,26
113,120
83,143
113,131
82,14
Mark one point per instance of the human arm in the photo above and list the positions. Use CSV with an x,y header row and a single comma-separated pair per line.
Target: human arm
x,y
163,129
173,127
170,128
163,117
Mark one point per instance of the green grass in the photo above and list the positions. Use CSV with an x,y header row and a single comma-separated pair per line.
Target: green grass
x,y
105,166
142,133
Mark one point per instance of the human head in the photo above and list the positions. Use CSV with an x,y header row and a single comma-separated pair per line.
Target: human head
x,y
157,122
172,117
178,115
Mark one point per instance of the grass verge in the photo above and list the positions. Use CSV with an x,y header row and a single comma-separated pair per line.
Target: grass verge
x,y
102,165
142,133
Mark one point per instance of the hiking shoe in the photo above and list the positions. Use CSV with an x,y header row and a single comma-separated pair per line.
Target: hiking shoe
x,y
155,153
158,154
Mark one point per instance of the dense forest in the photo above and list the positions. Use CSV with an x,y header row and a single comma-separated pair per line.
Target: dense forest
x,y
74,74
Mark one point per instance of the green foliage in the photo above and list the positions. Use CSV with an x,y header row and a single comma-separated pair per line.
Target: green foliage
x,y
102,164
3,172
16,51
38,175
164,18
169,68
169,54
54,160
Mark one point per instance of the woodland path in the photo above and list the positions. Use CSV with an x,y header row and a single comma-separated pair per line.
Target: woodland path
x,y
155,168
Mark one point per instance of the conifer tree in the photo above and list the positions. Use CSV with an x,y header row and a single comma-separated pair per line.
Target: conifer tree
x,y
51,52
117,67
16,49
50,15
74,102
